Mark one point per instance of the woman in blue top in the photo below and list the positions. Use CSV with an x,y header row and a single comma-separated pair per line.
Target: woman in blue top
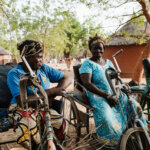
x,y
46,74
109,121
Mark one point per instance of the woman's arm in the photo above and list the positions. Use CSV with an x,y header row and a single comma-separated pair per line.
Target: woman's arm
x,y
86,80
52,92
62,84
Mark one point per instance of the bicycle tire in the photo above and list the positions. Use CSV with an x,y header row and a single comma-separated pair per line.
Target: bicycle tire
x,y
129,140
74,129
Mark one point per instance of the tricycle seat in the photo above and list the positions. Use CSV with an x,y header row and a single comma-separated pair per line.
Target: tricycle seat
x,y
139,88
146,65
80,91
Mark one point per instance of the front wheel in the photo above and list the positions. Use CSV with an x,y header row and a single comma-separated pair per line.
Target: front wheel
x,y
134,139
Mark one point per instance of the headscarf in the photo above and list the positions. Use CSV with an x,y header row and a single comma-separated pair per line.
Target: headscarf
x,y
30,47
95,40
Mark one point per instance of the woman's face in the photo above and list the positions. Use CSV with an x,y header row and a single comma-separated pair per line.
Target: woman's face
x,y
35,61
97,50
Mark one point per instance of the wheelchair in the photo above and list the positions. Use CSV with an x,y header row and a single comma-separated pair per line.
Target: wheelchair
x,y
134,137
78,120
80,112
46,131
42,102
144,90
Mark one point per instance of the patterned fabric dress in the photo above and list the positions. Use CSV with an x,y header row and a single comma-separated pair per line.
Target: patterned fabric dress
x,y
110,122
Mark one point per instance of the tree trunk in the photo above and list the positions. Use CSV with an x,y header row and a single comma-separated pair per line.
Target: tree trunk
x,y
44,42
145,7
139,67
68,59
146,52
66,54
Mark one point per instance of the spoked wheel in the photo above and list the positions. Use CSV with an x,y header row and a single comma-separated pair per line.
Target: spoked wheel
x,y
74,130
134,139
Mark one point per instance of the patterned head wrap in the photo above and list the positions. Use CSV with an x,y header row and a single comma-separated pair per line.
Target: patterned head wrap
x,y
95,40
31,47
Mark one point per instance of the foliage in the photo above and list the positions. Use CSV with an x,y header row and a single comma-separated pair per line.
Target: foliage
x,y
58,33
58,30
139,13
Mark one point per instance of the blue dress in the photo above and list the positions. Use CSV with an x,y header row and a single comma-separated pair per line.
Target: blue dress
x,y
110,122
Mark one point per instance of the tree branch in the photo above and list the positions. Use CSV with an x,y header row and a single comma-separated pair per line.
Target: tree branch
x,y
127,1
123,24
4,12
145,30
127,15
121,4
145,9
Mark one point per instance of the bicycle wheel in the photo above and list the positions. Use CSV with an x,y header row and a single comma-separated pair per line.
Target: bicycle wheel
x,y
130,140
74,130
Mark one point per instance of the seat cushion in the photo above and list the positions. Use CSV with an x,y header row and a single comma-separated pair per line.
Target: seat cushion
x,y
146,64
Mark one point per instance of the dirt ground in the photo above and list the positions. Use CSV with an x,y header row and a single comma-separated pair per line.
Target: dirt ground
x,y
10,135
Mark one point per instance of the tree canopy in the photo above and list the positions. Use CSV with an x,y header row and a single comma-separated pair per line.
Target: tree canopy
x,y
56,26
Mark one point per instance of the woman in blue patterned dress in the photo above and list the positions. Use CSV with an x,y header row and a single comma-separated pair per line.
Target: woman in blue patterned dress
x,y
109,121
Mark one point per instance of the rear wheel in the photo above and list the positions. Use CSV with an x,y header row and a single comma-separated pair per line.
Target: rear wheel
x,y
74,129
134,139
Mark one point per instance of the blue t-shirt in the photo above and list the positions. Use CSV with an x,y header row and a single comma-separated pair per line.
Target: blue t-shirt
x,y
46,74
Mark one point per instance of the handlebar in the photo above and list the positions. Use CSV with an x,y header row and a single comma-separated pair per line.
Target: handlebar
x,y
66,93
117,53
35,82
32,73
112,73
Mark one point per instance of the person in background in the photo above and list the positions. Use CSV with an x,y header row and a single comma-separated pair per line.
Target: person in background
x,y
46,74
109,120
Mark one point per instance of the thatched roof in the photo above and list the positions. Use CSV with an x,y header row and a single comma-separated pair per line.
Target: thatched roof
x,y
130,34
4,51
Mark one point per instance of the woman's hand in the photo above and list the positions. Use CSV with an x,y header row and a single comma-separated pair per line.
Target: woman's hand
x,y
112,100
51,145
56,91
